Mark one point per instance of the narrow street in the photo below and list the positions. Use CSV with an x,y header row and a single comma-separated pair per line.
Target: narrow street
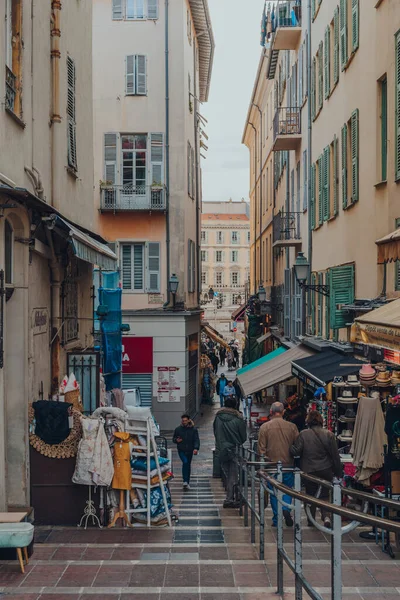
x,y
207,556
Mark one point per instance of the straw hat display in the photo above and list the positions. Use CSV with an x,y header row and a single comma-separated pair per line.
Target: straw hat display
x,y
347,397
367,375
383,379
395,379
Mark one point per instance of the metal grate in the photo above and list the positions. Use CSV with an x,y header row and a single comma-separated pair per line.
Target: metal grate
x,y
11,91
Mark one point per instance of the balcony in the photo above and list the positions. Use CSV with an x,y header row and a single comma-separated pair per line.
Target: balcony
x,y
11,92
286,25
120,198
287,129
286,230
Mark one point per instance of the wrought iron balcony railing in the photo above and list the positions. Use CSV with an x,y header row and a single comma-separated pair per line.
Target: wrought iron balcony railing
x,y
287,14
132,198
287,128
286,229
11,91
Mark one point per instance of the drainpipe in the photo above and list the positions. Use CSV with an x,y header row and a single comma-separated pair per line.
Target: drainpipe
x,y
55,317
55,110
197,170
261,190
167,148
255,208
287,207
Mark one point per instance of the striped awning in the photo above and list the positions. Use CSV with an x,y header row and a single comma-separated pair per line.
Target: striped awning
x,y
389,248
214,336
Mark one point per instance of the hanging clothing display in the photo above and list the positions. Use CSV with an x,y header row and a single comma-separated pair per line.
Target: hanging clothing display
x,y
369,439
392,429
122,479
52,425
94,465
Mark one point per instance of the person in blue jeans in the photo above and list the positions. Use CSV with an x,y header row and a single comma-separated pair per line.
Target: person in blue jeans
x,y
275,440
221,384
186,437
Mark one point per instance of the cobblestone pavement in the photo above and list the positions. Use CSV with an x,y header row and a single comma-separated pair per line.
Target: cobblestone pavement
x,y
207,556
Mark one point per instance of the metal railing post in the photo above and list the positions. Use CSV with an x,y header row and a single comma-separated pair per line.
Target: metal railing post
x,y
298,538
262,519
336,544
253,499
240,455
279,497
245,496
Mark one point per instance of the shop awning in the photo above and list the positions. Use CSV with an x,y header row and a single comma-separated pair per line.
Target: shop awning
x,y
273,368
264,337
84,246
214,336
238,314
389,248
319,370
380,327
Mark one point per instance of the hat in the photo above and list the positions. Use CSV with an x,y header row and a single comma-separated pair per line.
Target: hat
x,y
367,372
380,367
347,433
352,380
350,413
396,378
338,380
383,378
347,394
347,400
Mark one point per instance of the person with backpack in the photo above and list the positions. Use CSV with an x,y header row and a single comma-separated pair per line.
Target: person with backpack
x,y
220,387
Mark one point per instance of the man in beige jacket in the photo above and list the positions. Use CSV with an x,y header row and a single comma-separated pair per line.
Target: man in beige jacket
x,y
274,442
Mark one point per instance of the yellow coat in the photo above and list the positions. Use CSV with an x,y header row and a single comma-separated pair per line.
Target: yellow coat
x,y
122,479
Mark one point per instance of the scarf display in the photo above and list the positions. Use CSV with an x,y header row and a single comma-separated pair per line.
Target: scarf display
x,y
369,439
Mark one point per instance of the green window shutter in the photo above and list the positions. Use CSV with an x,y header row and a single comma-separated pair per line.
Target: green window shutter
x,y
313,8
341,289
321,76
312,199
336,46
320,188
335,178
355,156
344,166
384,129
343,34
397,266
327,322
313,103
313,312
320,305
397,124
326,183
355,24
327,62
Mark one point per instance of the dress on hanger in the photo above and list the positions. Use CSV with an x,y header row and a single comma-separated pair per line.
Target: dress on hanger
x,y
94,464
122,479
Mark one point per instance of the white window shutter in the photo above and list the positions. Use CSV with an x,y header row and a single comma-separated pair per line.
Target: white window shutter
x,y
126,266
141,75
157,158
130,88
152,9
153,267
110,158
118,9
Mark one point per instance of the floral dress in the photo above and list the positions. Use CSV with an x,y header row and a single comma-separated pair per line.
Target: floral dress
x,y
94,465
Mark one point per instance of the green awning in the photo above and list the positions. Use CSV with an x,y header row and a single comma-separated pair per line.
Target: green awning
x,y
261,361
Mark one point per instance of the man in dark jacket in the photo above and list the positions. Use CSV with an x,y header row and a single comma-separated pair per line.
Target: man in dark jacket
x,y
230,432
186,436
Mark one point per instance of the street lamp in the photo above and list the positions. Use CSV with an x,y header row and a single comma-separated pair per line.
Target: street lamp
x,y
301,271
173,287
262,294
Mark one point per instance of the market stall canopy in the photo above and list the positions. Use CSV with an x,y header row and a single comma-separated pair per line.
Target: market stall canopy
x,y
271,369
380,327
214,336
319,370
389,248
238,314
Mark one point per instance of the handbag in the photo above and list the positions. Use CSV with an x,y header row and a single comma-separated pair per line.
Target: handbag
x,y
324,445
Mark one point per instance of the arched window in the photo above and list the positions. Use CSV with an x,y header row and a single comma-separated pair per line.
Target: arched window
x,y
8,252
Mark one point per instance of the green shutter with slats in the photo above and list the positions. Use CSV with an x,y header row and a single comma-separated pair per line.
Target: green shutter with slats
x,y
335,178
313,8
327,62
326,183
355,156
312,294
344,166
320,299
320,188
341,290
384,129
320,76
327,322
312,199
343,34
313,94
355,24
336,46
397,120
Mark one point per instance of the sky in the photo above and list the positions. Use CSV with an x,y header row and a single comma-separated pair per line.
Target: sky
x,y
236,26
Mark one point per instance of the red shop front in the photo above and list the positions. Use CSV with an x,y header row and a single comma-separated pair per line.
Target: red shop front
x,y
137,366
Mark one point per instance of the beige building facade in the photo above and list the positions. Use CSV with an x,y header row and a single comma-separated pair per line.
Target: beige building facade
x,y
46,190
149,80
225,260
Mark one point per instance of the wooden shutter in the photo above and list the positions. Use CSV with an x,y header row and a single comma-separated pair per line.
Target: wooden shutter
x,y
327,62
313,88
286,305
189,168
71,113
110,158
189,267
397,124
336,46
141,75
130,87
320,76
343,34
341,285
300,74
126,259
320,188
138,267
344,167
193,168
157,158
327,322
319,306
118,9
313,8
355,156
355,24
152,9
153,267
335,178
305,180
313,311
326,182
312,199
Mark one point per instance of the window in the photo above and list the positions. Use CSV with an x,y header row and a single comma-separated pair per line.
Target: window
x,y
204,256
220,237
350,160
305,180
343,34
248,237
336,46
326,191
384,127
320,165
333,179
134,160
327,62
8,252
397,266
313,196
134,10
191,176
219,278
136,75
219,256
349,36
320,66
14,48
234,256
140,267
71,114
70,308
204,236
189,26
235,237
191,266
204,280
235,278
314,88
342,291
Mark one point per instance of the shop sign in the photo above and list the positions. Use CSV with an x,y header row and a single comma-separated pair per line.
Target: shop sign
x,y
156,299
168,384
376,335
310,383
369,352
40,320
137,355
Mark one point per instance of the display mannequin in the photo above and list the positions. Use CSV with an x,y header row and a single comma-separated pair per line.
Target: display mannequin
x,y
122,479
